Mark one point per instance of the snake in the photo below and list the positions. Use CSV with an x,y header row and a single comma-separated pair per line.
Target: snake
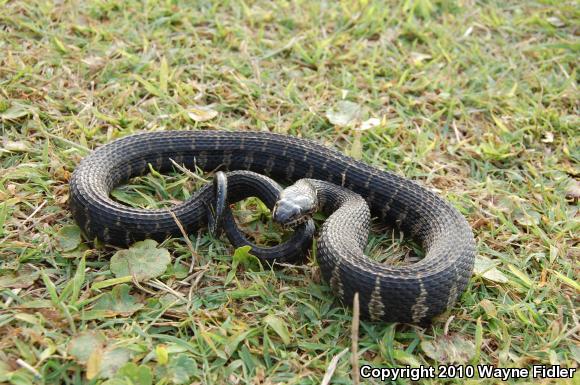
x,y
350,192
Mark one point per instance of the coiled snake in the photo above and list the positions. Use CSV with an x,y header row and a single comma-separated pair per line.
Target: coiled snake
x,y
412,293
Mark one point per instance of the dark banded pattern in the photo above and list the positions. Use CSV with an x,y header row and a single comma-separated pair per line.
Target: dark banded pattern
x,y
413,293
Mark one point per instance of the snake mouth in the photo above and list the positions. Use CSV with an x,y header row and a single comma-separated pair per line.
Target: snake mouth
x,y
296,222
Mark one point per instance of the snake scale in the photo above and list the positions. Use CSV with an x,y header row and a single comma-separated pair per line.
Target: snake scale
x,y
412,293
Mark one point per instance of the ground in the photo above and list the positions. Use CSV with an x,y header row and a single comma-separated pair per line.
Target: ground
x,y
476,100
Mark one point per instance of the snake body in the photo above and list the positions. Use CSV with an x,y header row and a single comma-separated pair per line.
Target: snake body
x,y
412,293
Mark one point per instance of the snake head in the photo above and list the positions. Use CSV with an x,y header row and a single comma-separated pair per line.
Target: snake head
x,y
295,205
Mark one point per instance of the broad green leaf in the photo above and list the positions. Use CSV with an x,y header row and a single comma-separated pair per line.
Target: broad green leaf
x,y
179,370
143,261
248,359
69,237
279,326
22,278
15,112
486,268
82,345
178,270
77,253
344,113
111,360
527,217
131,373
117,302
235,340
242,256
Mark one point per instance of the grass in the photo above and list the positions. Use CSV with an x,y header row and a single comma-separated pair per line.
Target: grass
x,y
477,100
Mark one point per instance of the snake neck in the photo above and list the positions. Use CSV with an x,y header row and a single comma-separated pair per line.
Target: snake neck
x,y
345,210
329,197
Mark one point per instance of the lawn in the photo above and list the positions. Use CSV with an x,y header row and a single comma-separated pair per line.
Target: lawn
x,y
477,100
